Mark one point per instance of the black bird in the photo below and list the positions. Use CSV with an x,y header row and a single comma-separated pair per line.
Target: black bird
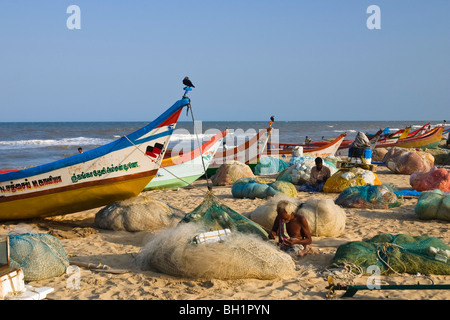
x,y
188,83
272,118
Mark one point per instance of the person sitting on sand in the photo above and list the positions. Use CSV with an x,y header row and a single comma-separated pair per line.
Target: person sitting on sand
x,y
319,174
291,229
317,178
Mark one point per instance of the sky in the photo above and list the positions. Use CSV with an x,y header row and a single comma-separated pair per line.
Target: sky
x,y
299,60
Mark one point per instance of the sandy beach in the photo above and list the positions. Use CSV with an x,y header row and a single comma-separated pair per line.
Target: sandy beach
x,y
85,243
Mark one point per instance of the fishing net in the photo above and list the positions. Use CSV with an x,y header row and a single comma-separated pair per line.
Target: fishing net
x,y
408,161
324,217
39,255
140,213
269,165
240,255
350,177
435,178
369,197
258,188
397,254
433,205
228,173
265,214
214,214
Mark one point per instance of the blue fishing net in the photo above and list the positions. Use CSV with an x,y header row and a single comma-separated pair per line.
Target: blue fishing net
x,y
269,165
254,188
39,255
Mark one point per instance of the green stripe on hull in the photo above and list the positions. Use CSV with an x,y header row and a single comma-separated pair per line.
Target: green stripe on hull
x,y
171,183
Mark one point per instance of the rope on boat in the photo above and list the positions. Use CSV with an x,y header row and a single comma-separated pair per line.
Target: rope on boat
x,y
189,107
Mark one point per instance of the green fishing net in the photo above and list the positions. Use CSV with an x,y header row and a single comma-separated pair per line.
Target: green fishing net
x,y
216,215
433,204
369,197
397,254
243,253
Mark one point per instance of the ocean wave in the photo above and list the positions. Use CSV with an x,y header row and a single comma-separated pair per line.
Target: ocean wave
x,y
349,130
39,143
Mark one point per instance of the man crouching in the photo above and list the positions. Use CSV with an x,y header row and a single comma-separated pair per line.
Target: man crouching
x,y
291,229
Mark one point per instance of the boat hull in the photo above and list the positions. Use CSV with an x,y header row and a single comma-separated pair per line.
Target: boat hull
x,y
69,200
179,175
248,152
322,151
98,177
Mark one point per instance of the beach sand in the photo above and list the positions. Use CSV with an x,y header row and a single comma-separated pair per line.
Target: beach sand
x,y
117,249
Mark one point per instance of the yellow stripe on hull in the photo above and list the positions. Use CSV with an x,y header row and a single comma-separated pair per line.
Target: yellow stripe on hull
x,y
73,200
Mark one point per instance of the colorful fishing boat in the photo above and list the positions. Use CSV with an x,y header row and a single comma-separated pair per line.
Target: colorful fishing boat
x,y
323,149
178,171
248,152
115,171
427,140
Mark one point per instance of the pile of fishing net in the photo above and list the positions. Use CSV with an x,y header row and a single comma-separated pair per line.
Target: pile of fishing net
x,y
299,169
238,256
350,177
40,255
433,204
381,196
228,173
397,254
214,214
408,161
324,217
140,213
441,156
269,165
242,251
252,188
435,178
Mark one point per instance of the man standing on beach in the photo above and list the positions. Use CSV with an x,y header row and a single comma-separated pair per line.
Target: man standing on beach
x,y
291,229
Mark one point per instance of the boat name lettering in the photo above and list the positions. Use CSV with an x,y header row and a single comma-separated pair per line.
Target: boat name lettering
x,y
98,173
22,186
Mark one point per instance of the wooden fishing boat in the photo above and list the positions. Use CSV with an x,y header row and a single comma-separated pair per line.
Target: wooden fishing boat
x,y
112,172
323,149
178,171
427,140
248,152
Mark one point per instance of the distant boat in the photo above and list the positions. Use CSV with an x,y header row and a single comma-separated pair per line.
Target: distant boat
x,y
112,172
428,140
248,152
314,150
178,171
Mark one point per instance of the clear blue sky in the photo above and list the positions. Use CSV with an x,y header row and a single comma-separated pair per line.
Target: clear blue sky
x,y
249,59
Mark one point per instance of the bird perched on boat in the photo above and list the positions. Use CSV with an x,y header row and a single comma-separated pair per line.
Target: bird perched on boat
x,y
188,82
272,120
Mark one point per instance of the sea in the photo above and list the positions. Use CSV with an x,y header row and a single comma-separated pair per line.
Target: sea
x,y
29,144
